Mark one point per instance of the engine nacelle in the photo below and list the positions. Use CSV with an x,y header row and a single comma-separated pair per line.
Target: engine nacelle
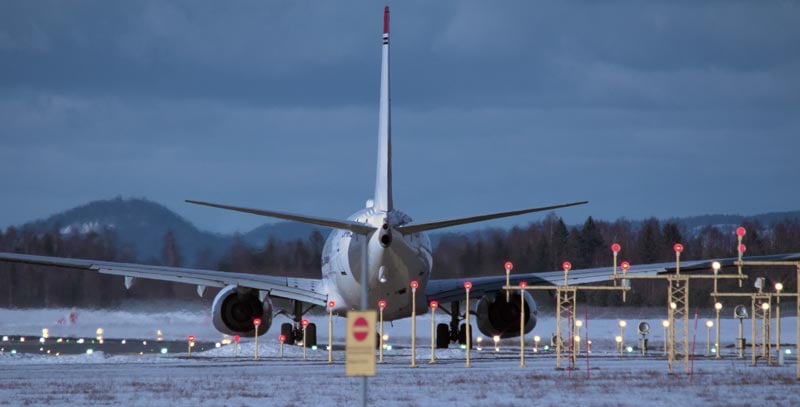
x,y
234,309
495,316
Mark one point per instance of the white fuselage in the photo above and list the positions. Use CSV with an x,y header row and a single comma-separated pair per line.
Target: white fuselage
x,y
390,268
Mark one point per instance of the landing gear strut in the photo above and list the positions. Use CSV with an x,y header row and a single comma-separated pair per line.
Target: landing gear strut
x,y
455,331
294,332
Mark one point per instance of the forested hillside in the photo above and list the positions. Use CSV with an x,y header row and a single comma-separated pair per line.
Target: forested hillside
x,y
541,246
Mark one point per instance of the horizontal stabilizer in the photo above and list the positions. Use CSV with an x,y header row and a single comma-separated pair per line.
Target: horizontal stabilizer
x,y
408,229
355,227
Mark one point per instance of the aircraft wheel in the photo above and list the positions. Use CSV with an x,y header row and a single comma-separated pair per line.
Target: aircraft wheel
x,y
311,335
442,336
287,330
462,335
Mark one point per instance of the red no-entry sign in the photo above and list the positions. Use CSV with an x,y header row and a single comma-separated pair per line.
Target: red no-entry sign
x,y
360,329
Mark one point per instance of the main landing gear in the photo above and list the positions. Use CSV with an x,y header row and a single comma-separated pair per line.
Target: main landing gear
x,y
294,331
446,334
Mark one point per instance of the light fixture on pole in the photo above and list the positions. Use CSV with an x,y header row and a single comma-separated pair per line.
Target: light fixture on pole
x,y
625,282
615,248
578,325
709,325
715,266
522,285
381,306
717,308
508,266
740,232
467,287
304,323
622,325
740,313
331,304
665,324
778,289
414,286
434,305
644,330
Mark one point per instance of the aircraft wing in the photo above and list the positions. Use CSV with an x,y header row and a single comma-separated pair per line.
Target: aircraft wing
x,y
306,290
453,289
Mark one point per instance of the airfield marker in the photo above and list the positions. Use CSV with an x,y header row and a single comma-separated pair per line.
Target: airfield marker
x,y
256,324
414,285
331,304
381,306
305,323
522,285
434,304
467,287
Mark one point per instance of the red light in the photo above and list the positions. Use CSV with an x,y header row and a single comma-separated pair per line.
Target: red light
x,y
742,248
414,284
567,266
626,265
467,285
282,338
523,284
305,323
616,248
236,338
331,303
509,266
434,304
678,247
382,304
741,231
257,321
191,338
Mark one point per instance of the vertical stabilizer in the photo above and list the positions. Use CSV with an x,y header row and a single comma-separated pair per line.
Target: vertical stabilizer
x,y
383,180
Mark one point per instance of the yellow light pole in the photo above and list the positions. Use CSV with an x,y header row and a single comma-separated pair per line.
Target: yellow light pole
x,y
718,308
715,266
625,282
282,339
434,304
709,325
467,287
414,286
665,324
578,325
305,323
256,324
381,306
618,339
191,344
536,340
522,285
615,248
778,289
508,266
331,304
622,325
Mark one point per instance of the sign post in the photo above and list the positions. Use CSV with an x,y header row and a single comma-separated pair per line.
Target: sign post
x,y
360,352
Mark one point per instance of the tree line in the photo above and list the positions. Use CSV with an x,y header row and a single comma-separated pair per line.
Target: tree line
x,y
540,246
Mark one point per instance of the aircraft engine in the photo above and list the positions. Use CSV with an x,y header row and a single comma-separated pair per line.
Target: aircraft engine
x,y
234,309
495,316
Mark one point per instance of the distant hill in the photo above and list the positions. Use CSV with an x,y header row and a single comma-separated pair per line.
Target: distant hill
x,y
142,225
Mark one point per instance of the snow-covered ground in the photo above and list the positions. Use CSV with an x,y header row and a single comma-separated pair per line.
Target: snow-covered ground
x,y
217,377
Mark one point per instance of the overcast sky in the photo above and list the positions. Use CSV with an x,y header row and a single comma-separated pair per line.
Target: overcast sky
x,y
664,109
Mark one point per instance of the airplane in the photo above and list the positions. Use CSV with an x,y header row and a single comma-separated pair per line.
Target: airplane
x,y
378,246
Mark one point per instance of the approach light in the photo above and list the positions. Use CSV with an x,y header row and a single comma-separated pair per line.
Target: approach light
x,y
164,351
741,231
764,306
678,248
709,323
718,306
578,323
89,351
665,323
778,287
716,266
622,323
616,248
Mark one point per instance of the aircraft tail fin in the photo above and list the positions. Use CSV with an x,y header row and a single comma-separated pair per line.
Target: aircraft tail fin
x,y
383,178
